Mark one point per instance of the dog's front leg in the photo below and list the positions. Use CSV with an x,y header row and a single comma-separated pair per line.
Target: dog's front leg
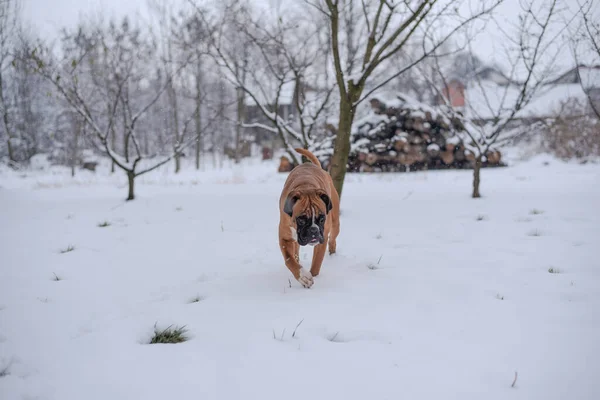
x,y
317,261
289,249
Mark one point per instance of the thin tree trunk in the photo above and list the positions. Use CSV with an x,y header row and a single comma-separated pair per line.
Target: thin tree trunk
x,y
477,177
5,121
146,144
238,127
130,181
198,138
125,135
198,113
74,148
172,98
113,139
178,137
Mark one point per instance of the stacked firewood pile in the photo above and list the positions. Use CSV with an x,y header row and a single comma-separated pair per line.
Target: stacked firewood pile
x,y
404,136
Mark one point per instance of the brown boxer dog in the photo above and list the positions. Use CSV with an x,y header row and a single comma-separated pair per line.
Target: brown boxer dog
x,y
309,209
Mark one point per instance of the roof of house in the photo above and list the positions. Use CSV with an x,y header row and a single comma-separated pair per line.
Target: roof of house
x,y
590,76
485,100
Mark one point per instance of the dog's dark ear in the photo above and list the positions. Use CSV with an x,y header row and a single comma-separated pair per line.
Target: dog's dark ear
x,y
288,207
327,201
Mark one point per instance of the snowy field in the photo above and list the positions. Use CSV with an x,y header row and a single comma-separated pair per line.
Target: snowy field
x,y
432,295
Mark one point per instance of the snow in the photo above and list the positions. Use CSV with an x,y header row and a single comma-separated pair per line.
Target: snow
x,y
454,306
354,77
359,144
453,140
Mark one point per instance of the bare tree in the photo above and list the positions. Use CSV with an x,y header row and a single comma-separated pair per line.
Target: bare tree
x,y
586,39
179,52
121,81
489,116
388,28
9,24
194,37
278,71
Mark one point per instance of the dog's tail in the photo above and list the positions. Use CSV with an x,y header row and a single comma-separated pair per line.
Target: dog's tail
x,y
309,155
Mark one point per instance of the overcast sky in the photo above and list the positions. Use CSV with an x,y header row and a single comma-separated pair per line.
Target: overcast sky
x,y
48,16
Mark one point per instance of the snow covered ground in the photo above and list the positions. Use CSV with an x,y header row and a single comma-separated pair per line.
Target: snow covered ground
x,y
432,295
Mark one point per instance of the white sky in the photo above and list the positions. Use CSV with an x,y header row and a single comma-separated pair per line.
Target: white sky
x,y
48,16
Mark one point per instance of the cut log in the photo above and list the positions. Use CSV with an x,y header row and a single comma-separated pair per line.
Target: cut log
x,y
371,158
419,125
416,140
433,151
285,165
401,157
447,157
494,157
459,154
401,145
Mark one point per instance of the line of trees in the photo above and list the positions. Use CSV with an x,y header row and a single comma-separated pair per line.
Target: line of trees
x,y
148,94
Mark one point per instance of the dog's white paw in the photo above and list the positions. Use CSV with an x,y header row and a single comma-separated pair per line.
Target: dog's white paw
x,y
305,279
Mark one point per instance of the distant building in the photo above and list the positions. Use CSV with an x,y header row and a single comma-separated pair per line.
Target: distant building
x,y
454,92
482,94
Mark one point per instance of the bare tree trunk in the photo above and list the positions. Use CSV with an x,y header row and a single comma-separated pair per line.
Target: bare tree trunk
x,y
126,134
198,113
74,152
130,181
238,127
5,121
113,139
178,139
477,177
198,137
146,143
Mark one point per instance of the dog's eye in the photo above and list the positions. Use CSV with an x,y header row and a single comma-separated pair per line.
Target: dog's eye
x,y
321,218
301,220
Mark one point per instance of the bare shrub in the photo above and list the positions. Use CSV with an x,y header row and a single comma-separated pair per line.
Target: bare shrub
x,y
574,134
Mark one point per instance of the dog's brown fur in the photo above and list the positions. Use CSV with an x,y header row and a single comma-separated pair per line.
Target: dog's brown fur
x,y
308,182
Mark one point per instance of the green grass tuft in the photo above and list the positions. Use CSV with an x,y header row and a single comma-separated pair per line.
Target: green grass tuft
x,y
553,270
69,249
535,211
480,217
169,335
104,224
535,233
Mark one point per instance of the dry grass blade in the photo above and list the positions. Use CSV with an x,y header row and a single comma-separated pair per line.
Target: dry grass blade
x,y
299,323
